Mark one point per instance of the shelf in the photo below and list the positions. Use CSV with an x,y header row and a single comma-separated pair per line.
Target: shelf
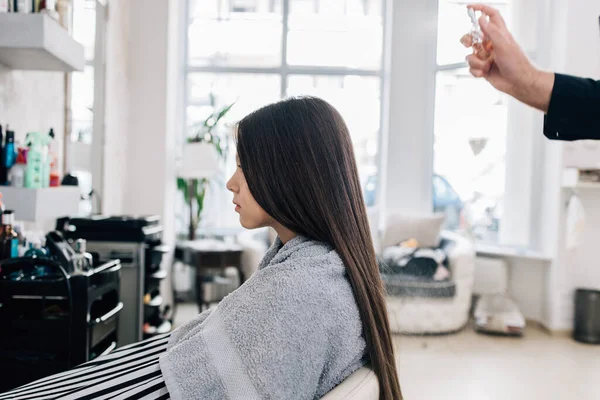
x,y
39,205
490,250
158,275
155,302
165,327
584,185
571,180
37,42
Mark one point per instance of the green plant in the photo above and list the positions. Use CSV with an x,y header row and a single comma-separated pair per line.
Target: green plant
x,y
194,190
205,132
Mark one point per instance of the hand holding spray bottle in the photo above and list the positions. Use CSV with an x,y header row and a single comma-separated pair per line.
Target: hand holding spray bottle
x,y
475,39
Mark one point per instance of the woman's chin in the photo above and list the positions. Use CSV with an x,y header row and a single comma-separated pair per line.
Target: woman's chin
x,y
246,224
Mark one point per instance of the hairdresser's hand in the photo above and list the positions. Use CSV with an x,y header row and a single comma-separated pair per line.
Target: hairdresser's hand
x,y
505,65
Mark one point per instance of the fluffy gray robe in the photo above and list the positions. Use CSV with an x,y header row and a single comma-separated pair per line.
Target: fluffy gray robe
x,y
292,331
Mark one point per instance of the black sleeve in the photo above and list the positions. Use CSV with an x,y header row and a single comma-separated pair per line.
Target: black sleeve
x,y
574,111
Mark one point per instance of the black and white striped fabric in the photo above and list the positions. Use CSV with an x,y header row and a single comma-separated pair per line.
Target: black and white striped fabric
x,y
131,372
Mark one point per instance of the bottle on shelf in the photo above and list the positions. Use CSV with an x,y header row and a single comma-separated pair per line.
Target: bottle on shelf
x,y
53,173
48,142
24,247
37,157
36,249
22,6
9,240
9,155
19,229
2,167
48,7
64,10
82,261
16,175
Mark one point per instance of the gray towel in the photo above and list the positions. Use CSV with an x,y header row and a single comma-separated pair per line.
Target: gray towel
x,y
292,331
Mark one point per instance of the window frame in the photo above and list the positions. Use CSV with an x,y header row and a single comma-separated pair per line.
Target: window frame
x,y
284,71
407,142
514,225
97,63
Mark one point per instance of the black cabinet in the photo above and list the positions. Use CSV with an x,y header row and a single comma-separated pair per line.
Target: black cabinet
x,y
137,242
54,321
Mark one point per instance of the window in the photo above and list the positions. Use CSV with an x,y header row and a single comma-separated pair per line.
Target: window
x,y
79,141
82,83
255,52
470,132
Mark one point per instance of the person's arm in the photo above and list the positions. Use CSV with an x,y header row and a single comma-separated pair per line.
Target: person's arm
x,y
574,109
535,89
572,104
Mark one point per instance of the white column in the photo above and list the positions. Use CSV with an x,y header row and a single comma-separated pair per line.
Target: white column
x,y
552,36
522,129
154,71
407,139
150,136
116,100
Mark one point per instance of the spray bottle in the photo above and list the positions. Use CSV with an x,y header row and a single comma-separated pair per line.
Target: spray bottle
x,y
481,45
37,157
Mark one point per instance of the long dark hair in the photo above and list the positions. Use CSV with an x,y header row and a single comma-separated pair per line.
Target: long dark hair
x,y
299,163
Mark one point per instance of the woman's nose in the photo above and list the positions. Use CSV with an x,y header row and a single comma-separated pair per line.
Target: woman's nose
x,y
230,184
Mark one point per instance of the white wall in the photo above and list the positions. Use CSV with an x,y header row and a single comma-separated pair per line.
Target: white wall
x,y
407,140
33,101
116,133
521,133
535,285
567,40
584,263
578,268
150,138
146,115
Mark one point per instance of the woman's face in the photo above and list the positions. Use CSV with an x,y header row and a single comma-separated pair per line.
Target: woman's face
x,y
251,214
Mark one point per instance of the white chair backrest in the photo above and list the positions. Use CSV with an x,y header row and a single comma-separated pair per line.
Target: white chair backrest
x,y
361,385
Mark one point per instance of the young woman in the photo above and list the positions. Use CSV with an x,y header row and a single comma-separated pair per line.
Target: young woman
x,y
310,316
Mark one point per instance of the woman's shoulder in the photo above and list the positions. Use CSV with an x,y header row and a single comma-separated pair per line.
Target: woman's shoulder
x,y
315,276
306,271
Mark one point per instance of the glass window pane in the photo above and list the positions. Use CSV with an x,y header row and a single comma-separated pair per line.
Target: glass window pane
x,y
469,152
208,92
249,92
79,147
335,33
84,25
357,98
235,33
453,23
82,105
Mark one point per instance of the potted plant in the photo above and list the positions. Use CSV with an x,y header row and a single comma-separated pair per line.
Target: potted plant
x,y
201,156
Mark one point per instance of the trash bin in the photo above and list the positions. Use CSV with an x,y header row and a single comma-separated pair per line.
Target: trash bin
x,y
587,316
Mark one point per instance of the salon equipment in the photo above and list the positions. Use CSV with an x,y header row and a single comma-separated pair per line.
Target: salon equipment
x,y
136,242
53,320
